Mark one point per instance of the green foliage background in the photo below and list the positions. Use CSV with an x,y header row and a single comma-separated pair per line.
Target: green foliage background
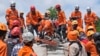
x,y
98,25
53,13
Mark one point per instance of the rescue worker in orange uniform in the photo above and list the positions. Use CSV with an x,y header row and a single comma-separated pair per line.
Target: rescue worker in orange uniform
x,y
11,15
69,22
33,18
3,45
74,26
46,24
21,19
78,15
61,20
28,40
90,46
61,15
90,18
74,47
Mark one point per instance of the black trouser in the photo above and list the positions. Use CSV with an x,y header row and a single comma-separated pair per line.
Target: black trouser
x,y
41,34
61,30
31,28
9,48
22,30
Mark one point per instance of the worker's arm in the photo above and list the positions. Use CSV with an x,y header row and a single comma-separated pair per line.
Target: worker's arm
x,y
7,15
40,16
95,17
28,20
64,17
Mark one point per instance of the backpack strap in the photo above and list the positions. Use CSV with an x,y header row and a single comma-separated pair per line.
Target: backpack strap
x,y
80,48
79,44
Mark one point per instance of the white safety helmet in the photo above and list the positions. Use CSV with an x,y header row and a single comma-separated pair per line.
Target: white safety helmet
x,y
13,4
76,7
27,37
21,12
88,9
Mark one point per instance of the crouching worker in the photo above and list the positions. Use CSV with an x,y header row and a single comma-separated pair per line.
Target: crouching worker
x,y
3,46
74,47
28,40
91,45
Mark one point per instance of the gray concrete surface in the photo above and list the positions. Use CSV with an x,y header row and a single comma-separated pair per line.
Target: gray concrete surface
x,y
42,51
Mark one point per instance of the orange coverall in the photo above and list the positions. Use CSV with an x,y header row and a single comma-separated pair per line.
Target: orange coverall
x,y
90,47
3,48
78,14
90,19
61,18
22,22
26,51
33,19
47,26
11,16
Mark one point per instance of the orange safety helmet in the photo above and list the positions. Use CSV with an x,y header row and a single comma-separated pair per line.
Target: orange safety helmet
x,y
89,33
16,23
58,6
3,27
32,8
72,35
15,31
